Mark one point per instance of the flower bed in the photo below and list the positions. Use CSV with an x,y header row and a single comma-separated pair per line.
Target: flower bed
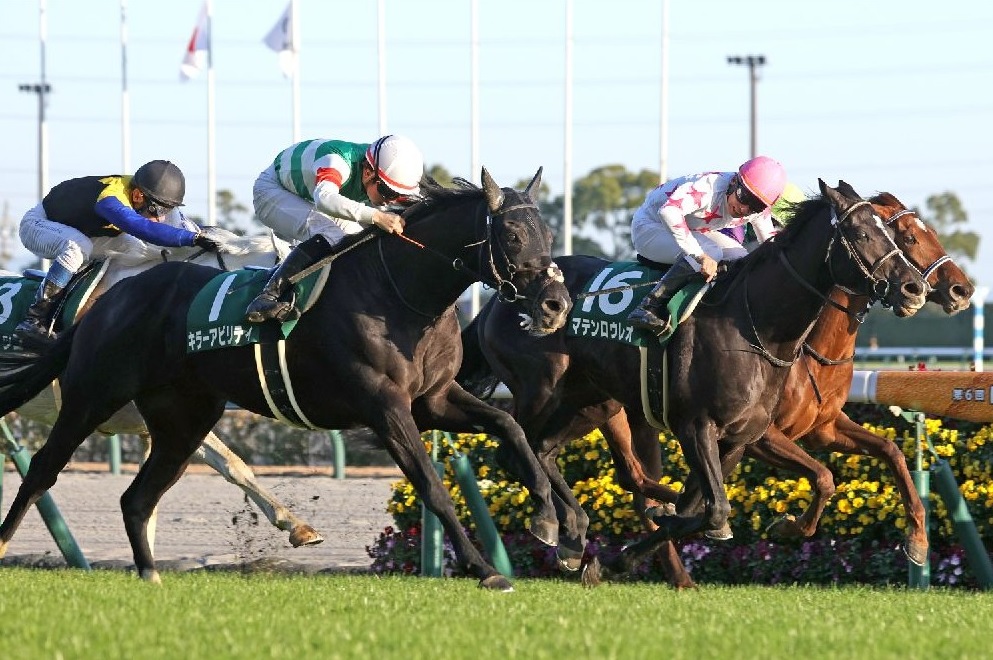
x,y
858,540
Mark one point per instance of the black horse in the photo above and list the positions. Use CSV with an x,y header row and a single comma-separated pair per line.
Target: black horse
x,y
379,348
725,364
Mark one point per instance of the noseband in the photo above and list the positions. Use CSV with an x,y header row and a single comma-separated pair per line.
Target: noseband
x,y
930,270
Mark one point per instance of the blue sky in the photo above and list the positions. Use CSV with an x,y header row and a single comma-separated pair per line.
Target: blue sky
x,y
887,95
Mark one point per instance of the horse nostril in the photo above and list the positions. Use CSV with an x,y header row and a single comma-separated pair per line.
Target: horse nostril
x,y
554,306
959,292
913,289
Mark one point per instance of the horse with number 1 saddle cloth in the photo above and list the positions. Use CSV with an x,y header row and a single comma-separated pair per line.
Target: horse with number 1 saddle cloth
x,y
601,312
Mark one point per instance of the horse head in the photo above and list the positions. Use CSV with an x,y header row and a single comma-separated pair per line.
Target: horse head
x,y
525,242
949,285
870,255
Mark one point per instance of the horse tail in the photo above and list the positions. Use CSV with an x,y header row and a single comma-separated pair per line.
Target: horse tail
x,y
24,375
475,374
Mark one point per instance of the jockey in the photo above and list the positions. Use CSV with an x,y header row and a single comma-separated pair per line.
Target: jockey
x,y
318,192
91,214
679,224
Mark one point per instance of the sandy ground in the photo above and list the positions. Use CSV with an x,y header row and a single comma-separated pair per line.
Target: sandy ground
x,y
205,521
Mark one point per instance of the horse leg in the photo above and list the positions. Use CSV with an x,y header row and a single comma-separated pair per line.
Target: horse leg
x,y
777,450
230,466
399,432
850,438
457,410
67,434
174,441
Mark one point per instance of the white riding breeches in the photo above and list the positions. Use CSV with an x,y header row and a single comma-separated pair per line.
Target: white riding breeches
x,y
292,217
67,246
655,241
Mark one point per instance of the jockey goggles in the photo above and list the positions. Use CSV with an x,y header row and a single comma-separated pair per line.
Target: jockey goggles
x,y
154,208
746,197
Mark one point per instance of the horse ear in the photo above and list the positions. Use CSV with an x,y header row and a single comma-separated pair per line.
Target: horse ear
x,y
847,190
494,196
532,190
836,198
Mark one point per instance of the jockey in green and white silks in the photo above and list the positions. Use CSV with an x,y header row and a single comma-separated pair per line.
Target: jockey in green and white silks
x,y
318,192
679,223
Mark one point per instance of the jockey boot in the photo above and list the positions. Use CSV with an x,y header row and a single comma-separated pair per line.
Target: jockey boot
x,y
36,328
653,312
267,305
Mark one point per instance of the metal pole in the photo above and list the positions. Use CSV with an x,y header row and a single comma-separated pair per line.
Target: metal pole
x,y
752,62
919,577
46,505
978,325
474,162
114,452
338,445
664,100
125,102
567,150
485,527
381,48
432,534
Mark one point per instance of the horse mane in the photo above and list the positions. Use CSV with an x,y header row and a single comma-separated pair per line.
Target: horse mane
x,y
886,199
802,212
436,195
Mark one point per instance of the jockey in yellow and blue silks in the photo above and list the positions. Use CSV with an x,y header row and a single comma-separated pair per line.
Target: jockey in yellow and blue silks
x,y
318,192
86,216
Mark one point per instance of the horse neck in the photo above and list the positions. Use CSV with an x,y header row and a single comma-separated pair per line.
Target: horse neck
x,y
833,335
787,327
424,276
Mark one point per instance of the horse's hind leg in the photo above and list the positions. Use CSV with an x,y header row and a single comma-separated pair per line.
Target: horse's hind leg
x,y
67,434
175,438
220,457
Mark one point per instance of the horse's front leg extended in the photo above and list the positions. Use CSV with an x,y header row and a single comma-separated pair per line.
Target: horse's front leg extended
x,y
400,434
457,410
220,457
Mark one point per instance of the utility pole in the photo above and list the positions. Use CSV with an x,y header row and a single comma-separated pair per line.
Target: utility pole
x,y
41,89
752,62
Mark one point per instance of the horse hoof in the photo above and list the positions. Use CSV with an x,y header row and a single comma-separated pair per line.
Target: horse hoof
x,y
303,535
722,534
546,531
916,552
496,583
784,527
150,575
592,575
568,560
656,513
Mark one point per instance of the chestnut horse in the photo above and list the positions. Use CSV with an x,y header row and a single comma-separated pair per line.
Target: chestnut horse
x,y
723,378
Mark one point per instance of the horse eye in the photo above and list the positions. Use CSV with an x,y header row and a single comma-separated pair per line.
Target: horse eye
x,y
910,239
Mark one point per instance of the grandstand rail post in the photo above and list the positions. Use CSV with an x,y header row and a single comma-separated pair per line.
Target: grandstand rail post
x,y
485,527
114,454
919,577
338,450
432,535
46,505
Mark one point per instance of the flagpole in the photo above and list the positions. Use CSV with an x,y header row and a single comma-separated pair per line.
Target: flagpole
x,y
125,102
474,167
211,157
295,78
567,149
381,43
664,100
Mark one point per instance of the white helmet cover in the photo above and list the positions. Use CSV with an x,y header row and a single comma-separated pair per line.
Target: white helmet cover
x,y
397,162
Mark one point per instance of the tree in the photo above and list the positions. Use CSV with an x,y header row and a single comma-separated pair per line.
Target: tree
x,y
945,214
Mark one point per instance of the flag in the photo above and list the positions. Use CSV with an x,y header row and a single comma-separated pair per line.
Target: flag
x,y
280,39
197,51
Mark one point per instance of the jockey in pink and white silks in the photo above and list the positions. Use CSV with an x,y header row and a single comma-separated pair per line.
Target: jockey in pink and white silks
x,y
88,216
679,223
318,192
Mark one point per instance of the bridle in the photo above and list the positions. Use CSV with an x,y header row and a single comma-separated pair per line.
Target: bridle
x,y
492,251
938,263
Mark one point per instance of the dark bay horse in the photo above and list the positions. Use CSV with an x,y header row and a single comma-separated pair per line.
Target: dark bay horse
x,y
379,348
725,371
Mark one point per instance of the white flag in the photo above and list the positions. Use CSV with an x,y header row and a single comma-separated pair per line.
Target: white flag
x,y
196,57
280,39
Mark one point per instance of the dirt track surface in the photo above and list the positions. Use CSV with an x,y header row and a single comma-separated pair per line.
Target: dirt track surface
x,y
206,522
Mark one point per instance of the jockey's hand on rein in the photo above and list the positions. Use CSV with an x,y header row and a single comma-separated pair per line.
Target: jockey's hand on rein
x,y
206,243
390,222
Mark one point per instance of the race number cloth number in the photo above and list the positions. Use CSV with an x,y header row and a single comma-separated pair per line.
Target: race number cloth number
x,y
217,316
625,284
17,293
